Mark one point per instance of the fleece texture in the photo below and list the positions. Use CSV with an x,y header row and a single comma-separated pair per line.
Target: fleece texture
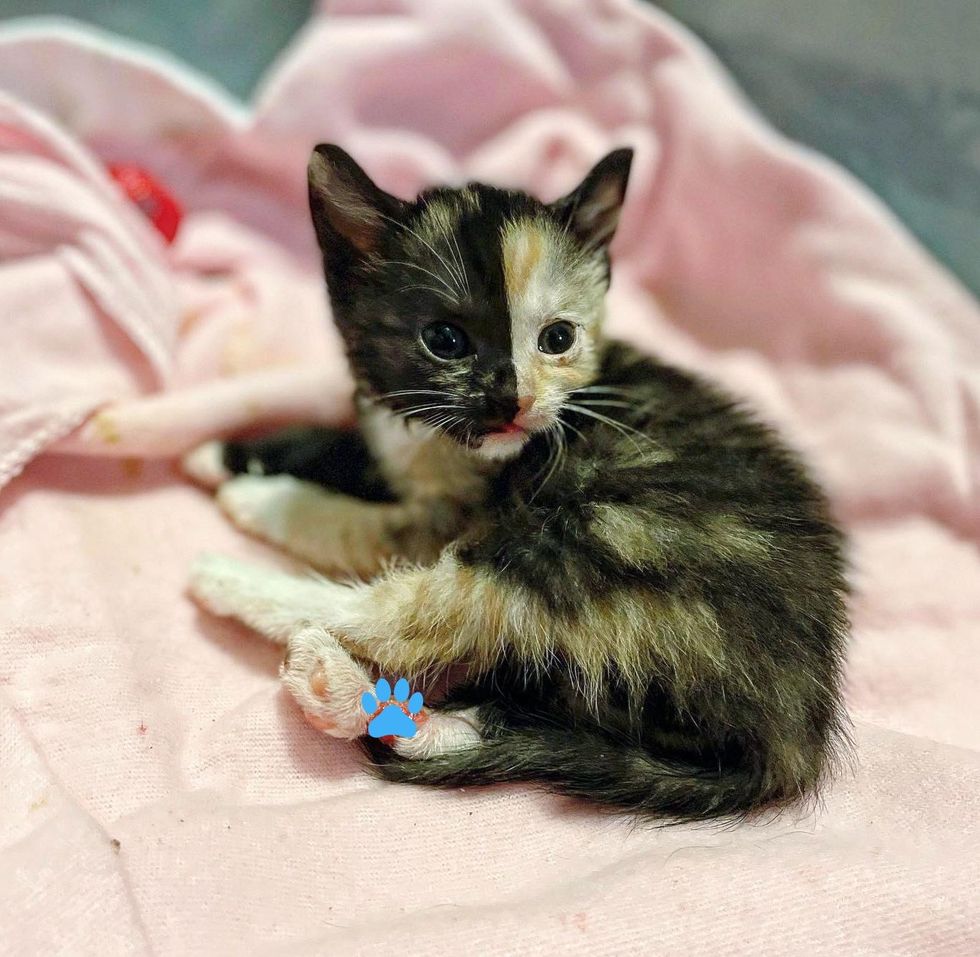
x,y
159,793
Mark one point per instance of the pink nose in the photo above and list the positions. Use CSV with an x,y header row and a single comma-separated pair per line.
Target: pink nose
x,y
524,402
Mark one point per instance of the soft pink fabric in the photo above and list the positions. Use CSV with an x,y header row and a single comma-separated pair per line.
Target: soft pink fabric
x,y
127,716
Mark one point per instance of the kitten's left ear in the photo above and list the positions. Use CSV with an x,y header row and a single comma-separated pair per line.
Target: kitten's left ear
x,y
592,209
348,208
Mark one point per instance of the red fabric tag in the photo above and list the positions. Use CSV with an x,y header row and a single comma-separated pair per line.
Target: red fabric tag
x,y
159,207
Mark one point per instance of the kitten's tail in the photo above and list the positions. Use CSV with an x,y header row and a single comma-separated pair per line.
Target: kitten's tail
x,y
587,764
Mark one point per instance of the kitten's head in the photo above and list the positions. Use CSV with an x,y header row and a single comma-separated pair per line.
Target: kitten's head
x,y
475,311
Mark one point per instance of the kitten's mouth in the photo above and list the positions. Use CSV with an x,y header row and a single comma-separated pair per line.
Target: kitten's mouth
x,y
505,435
510,428
502,442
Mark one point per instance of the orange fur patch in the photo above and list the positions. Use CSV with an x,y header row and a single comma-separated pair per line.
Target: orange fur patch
x,y
524,247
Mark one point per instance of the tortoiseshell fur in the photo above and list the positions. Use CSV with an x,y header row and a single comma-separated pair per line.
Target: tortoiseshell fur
x,y
646,586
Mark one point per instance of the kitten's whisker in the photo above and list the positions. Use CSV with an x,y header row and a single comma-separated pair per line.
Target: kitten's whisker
x,y
448,412
445,423
615,403
556,456
454,293
547,462
547,436
621,427
435,292
453,250
624,391
392,395
598,416
462,264
435,252
449,422
432,403
559,458
419,409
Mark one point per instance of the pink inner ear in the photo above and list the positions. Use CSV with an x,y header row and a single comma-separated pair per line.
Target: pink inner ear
x,y
359,225
601,213
345,199
349,214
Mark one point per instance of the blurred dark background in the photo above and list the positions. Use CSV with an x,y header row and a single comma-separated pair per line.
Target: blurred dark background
x,y
889,88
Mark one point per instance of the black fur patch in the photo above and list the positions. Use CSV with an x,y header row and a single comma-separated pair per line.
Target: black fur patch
x,y
336,459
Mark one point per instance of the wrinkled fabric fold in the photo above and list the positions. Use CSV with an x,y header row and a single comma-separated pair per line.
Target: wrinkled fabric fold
x,y
158,791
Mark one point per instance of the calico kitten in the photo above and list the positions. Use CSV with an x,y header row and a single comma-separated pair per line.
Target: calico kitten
x,y
643,581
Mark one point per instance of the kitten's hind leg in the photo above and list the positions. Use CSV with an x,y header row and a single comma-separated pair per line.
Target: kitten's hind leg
x,y
337,459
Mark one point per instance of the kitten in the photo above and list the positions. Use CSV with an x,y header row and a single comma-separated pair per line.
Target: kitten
x,y
642,580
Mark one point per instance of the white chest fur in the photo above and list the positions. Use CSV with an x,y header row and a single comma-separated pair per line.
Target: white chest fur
x,y
419,462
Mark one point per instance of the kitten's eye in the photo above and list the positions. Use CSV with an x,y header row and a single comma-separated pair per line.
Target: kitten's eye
x,y
445,341
557,338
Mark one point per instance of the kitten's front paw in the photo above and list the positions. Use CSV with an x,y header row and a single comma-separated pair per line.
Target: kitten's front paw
x,y
261,505
326,682
221,584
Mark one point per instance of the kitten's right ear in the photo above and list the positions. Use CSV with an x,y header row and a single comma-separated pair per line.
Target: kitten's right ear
x,y
347,207
592,209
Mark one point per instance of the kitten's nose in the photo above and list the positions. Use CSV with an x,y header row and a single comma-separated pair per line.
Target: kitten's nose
x,y
524,402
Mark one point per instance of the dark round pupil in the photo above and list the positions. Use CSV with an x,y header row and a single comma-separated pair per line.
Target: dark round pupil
x,y
558,337
445,341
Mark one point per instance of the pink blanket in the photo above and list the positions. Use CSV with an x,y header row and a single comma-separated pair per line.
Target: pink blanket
x,y
158,791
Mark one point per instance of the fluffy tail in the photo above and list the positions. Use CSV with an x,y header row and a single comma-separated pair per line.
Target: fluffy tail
x,y
588,764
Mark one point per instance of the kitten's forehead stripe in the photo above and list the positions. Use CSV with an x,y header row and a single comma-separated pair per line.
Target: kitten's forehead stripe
x,y
528,251
524,246
547,278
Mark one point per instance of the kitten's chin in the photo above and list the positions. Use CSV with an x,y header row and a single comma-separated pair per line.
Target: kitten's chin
x,y
499,446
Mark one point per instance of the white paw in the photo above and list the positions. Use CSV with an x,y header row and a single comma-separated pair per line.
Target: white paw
x,y
205,465
221,584
261,505
273,603
326,682
441,733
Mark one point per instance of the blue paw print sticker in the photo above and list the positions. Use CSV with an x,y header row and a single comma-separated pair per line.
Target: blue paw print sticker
x,y
391,715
